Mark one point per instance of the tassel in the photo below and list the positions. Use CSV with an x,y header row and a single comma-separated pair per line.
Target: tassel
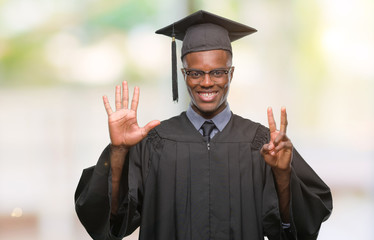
x,y
174,75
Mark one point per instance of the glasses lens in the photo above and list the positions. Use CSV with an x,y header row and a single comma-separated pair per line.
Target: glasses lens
x,y
194,74
217,74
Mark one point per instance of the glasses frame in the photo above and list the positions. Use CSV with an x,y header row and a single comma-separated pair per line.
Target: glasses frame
x,y
186,74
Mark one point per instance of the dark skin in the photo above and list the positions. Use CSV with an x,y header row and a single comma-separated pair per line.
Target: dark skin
x,y
208,99
278,155
124,132
208,106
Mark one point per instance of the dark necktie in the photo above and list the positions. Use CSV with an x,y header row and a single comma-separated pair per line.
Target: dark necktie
x,y
207,130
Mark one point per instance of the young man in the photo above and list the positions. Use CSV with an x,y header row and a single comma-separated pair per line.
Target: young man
x,y
207,173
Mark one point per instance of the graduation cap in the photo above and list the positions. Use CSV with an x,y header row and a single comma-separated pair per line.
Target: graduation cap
x,y
202,31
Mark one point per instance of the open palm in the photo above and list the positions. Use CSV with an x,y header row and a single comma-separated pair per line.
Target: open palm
x,y
123,124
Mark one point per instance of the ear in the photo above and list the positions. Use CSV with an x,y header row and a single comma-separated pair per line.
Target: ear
x,y
183,72
232,73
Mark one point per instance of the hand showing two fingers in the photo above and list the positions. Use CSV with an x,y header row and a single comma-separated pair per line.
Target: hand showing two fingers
x,y
278,152
123,124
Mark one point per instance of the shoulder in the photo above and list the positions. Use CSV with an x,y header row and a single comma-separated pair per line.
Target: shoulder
x,y
177,128
254,132
176,124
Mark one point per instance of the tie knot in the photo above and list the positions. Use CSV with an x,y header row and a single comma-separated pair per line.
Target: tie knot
x,y
207,128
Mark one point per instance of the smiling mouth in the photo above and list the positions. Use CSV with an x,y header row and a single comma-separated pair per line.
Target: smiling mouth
x,y
207,95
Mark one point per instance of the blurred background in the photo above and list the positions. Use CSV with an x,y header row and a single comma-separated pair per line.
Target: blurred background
x,y
57,59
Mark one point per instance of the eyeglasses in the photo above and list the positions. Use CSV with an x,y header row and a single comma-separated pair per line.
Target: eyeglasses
x,y
216,75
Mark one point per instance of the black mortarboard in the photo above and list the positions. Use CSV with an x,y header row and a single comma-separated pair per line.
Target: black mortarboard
x,y
202,31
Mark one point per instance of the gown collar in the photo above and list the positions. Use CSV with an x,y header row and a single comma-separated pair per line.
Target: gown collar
x,y
220,120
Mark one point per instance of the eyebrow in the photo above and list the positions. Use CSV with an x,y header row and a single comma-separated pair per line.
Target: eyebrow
x,y
194,69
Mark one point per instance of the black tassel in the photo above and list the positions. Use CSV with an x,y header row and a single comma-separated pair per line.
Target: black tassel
x,y
174,75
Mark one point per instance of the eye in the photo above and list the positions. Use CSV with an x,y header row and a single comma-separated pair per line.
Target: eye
x,y
217,73
194,74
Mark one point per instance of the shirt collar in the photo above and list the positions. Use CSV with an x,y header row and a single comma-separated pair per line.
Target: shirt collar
x,y
220,120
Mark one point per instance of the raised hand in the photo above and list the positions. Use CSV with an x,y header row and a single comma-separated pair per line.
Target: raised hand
x,y
278,152
123,124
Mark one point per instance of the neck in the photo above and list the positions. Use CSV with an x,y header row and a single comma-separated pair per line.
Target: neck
x,y
212,114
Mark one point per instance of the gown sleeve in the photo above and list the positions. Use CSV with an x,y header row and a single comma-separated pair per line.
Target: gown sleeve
x,y
310,204
93,196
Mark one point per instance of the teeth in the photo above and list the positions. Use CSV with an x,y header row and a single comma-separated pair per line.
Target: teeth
x,y
207,94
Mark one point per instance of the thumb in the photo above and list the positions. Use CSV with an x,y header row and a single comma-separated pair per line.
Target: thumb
x,y
150,126
270,146
264,149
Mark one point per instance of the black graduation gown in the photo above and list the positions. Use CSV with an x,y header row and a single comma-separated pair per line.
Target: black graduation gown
x,y
174,187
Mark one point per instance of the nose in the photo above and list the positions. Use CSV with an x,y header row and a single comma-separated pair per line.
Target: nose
x,y
206,81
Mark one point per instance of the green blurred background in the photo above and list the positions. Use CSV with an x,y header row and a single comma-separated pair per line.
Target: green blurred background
x,y
57,58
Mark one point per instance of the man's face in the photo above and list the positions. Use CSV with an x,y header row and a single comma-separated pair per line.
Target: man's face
x,y
209,95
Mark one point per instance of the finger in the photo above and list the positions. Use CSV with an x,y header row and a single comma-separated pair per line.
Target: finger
x,y
135,99
108,109
264,149
281,137
284,123
272,126
283,145
268,149
125,95
118,98
150,126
